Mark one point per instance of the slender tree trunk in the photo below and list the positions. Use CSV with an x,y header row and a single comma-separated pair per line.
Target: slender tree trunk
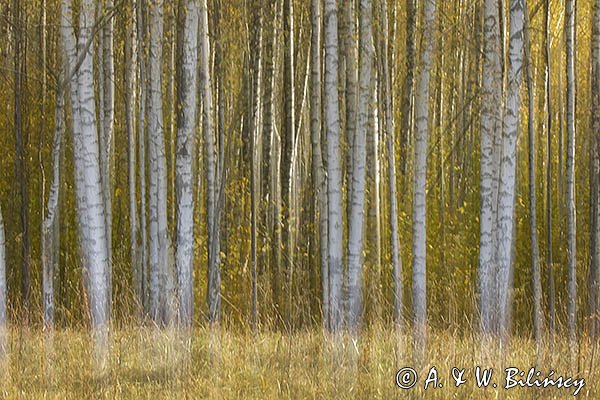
x,y
350,55
376,128
221,172
162,274
106,140
407,86
392,191
174,38
21,156
491,125
186,127
214,269
535,252
507,188
419,275
357,210
256,42
318,172
570,164
3,329
143,100
551,300
51,230
131,61
334,175
88,183
288,141
594,307
269,37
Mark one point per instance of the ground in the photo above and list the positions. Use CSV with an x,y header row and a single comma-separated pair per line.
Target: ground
x,y
147,363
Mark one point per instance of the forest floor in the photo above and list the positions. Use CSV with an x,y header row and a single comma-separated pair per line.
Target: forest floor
x,y
149,364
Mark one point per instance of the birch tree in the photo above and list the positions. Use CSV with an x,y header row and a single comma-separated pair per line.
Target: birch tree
x,y
318,173
570,165
186,125
356,218
288,140
214,269
88,185
407,86
161,262
107,71
3,329
269,38
255,98
506,191
491,125
392,191
535,252
419,245
551,301
131,60
143,99
50,237
334,175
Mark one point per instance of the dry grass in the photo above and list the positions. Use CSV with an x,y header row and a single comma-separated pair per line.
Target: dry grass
x,y
147,363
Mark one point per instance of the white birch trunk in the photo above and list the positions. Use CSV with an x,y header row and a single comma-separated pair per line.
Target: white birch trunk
x,y
507,188
214,269
143,99
419,245
334,171
50,235
162,280
185,151
88,185
570,165
357,210
392,191
491,125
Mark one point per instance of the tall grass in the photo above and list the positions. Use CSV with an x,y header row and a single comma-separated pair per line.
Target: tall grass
x,y
147,363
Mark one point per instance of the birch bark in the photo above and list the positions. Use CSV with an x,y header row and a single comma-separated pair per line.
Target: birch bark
x,y
357,210
506,191
186,125
334,172
419,245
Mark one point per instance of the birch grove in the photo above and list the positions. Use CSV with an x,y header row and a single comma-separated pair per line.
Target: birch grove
x,y
274,166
